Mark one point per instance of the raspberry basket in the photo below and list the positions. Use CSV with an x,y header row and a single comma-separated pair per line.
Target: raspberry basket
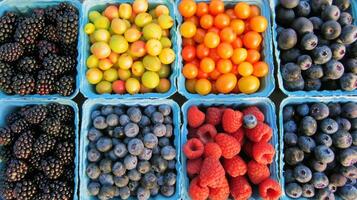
x,y
264,104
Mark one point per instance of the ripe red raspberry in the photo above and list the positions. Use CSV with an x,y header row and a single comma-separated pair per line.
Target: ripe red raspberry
x,y
221,193
193,148
239,136
212,150
270,189
240,188
211,170
263,153
214,115
195,117
193,166
235,166
257,172
231,120
196,191
221,182
261,133
228,144
206,133
192,133
254,111
247,148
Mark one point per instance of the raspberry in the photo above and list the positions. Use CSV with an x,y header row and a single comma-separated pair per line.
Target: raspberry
x,y
228,144
254,111
257,172
221,193
214,115
192,133
211,170
213,150
239,136
240,188
193,148
263,153
206,133
221,182
269,189
196,191
261,133
193,166
195,117
231,120
247,148
235,166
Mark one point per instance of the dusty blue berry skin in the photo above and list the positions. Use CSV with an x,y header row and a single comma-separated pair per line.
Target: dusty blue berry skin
x,y
158,164
343,123
318,166
167,191
124,192
308,190
302,173
121,181
159,130
288,113
120,150
168,120
133,185
155,190
250,121
135,147
168,152
118,169
348,192
105,165
349,172
134,114
94,134
156,150
134,175
146,154
143,166
169,130
293,190
93,188
146,129
150,140
342,139
319,111
324,193
92,171
290,139
106,179
118,132
319,180
149,110
107,110
171,164
112,120
130,162
149,180
323,139
324,154
107,192
348,157
290,126
95,114
308,126
334,109
164,141
307,144
124,120
338,180
329,126
349,110
93,155
144,121
157,117
293,155
170,178
165,109
100,123
131,130
303,109
142,194
289,176
354,137
104,144
118,110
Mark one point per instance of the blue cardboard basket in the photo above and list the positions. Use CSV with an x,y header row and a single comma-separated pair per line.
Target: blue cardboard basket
x,y
273,4
8,106
297,101
264,104
93,104
22,7
88,89
267,84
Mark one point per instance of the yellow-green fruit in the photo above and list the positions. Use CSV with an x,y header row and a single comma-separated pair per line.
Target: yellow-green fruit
x,y
167,56
143,19
100,50
93,15
118,44
125,61
152,31
165,42
153,47
110,75
132,35
92,61
105,64
137,69
101,22
165,21
164,71
124,74
101,35
152,63
164,86
94,75
132,86
89,28
125,11
127,23
150,79
118,26
152,13
104,87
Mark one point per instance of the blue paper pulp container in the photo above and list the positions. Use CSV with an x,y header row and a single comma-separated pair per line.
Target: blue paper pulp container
x,y
267,84
8,106
91,105
88,89
273,4
297,101
264,104
23,6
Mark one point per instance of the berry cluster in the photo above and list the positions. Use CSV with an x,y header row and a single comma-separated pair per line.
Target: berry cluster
x,y
131,152
216,166
38,151
320,152
38,51
317,42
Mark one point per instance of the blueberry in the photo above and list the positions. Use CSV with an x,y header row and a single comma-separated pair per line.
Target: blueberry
x,y
104,144
155,190
171,164
287,39
106,192
150,140
94,134
349,110
334,108
351,182
284,16
319,111
118,110
295,85
135,147
290,139
308,126
325,193
165,109
164,142
329,126
349,172
121,181
303,9
304,62
293,190
342,139
134,114
93,155
149,180
318,5
343,124
316,22
288,113
130,162
119,168
131,130
134,175
319,180
146,154
348,34
293,155
168,152
93,188
302,173
318,166
93,171
168,120
142,194
170,178
106,179
107,110
290,126
144,166
290,72
250,121
312,84
157,117
324,139
289,3
302,25
118,132
348,157
144,121
100,123
289,176
354,124
160,180
331,165
321,55
95,114
352,51
124,192
314,72
338,180
105,165
158,164
348,82
338,51
167,191
120,150
159,130
332,187
307,144
112,120
345,19
308,190
156,150
309,41
348,192
169,130
331,12
333,70
342,4
124,120
351,65
354,137
146,129
324,154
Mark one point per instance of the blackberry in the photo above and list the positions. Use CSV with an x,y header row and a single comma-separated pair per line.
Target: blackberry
x,y
43,196
6,136
5,154
43,144
7,191
67,25
44,83
22,148
10,52
30,50
25,190
68,175
62,112
46,48
36,114
28,64
29,29
50,33
35,162
23,84
65,86
7,26
69,49
54,64
19,126
6,74
12,117
42,182
16,170
65,152
52,13
52,168
60,190
70,64
67,133
51,126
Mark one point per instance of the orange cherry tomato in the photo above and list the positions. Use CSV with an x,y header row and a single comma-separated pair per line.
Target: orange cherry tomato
x,y
227,35
188,53
247,27
188,29
252,40
190,85
199,36
201,74
207,65
211,40
245,69
261,69
248,84
215,7
253,56
238,26
234,69
188,42
187,8
226,83
242,10
192,19
221,20
231,14
214,54
189,71
206,21
202,8
214,74
258,24
237,43
195,62
225,50
254,11
224,66
239,55
203,86
214,30
202,51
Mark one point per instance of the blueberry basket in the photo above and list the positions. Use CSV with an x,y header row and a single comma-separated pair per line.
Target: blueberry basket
x,y
89,90
22,7
267,84
7,106
273,4
93,104
264,104
297,101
